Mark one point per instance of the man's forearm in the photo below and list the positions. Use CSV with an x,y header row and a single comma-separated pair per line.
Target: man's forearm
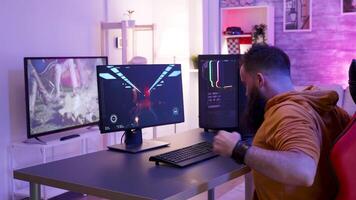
x,y
287,167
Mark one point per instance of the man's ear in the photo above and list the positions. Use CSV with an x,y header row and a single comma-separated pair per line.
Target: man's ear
x,y
260,80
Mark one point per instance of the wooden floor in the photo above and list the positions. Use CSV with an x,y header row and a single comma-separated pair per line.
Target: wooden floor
x,y
232,190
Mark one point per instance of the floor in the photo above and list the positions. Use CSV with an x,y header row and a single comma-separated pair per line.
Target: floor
x,y
232,190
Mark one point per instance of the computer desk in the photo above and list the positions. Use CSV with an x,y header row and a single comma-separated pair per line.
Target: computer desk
x,y
116,175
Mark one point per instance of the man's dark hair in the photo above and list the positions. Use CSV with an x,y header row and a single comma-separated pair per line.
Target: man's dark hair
x,y
262,57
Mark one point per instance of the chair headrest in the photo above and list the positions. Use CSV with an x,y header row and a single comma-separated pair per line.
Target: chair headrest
x,y
352,79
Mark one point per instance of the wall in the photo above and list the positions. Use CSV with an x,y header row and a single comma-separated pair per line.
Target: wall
x,y
67,27
323,55
116,12
196,48
211,22
172,20
38,28
4,110
173,32
196,26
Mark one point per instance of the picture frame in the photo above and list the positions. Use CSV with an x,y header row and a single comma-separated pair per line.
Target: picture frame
x,y
297,15
348,7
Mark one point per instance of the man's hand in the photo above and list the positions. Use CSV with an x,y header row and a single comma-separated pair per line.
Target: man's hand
x,y
224,142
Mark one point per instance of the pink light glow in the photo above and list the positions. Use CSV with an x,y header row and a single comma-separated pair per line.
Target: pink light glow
x,y
243,18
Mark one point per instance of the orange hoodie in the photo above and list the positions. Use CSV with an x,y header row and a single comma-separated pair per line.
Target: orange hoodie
x,y
308,122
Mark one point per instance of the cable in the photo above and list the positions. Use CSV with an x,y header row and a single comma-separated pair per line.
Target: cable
x,y
123,136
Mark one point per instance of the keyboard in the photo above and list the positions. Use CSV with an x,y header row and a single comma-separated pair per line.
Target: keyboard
x,y
186,156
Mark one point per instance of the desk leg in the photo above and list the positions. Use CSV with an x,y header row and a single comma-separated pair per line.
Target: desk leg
x,y
35,191
211,194
44,160
249,186
154,132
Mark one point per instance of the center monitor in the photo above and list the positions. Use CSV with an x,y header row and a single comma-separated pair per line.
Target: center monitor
x,y
132,97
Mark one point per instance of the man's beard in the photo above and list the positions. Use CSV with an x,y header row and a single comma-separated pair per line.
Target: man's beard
x,y
254,113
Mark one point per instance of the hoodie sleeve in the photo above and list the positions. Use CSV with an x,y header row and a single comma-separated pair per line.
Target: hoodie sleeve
x,y
295,129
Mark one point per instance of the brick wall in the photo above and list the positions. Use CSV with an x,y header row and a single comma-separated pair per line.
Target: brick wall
x,y
323,55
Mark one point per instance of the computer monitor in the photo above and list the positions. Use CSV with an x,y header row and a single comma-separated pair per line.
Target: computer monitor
x,y
222,97
61,93
132,97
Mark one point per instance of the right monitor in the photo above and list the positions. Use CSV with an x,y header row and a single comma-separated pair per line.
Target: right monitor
x,y
221,94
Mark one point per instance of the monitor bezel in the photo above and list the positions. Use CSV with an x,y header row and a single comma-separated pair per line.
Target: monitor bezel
x,y
140,127
219,56
29,135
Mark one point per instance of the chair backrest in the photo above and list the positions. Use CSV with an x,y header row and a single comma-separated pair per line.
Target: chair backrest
x,y
349,106
343,158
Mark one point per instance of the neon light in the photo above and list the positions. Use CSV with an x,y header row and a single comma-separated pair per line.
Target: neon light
x,y
174,74
211,81
115,70
118,73
106,76
217,73
163,74
229,86
168,68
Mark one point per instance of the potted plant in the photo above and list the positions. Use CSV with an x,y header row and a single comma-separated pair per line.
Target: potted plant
x,y
259,33
194,59
130,22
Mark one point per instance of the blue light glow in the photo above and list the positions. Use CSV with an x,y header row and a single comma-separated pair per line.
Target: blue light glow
x,y
106,76
175,73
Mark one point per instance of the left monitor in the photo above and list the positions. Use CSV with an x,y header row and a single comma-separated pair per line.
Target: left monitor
x,y
132,97
61,93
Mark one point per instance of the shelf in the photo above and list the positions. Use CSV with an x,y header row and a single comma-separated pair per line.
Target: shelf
x,y
237,36
244,8
245,18
57,142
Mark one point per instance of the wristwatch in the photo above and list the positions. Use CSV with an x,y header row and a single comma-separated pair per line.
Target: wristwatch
x,y
239,152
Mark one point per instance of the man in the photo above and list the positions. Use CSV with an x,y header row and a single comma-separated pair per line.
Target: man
x,y
294,131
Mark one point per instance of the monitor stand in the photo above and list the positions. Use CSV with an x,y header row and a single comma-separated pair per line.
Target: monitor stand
x,y
134,143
